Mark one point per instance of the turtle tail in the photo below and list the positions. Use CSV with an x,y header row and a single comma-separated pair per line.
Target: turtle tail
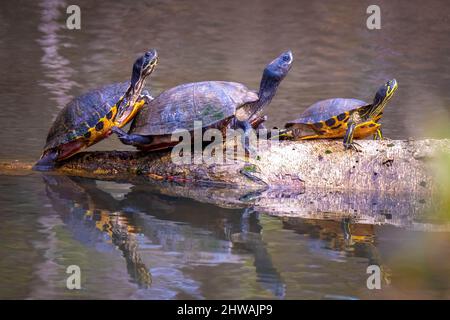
x,y
47,161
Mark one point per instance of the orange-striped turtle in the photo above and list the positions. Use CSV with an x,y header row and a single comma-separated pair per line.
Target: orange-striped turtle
x,y
89,118
344,118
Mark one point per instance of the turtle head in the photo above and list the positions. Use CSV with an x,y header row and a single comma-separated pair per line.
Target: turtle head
x,y
142,68
386,91
279,68
383,95
273,74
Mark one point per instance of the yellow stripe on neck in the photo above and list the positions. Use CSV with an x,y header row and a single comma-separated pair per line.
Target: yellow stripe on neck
x,y
136,107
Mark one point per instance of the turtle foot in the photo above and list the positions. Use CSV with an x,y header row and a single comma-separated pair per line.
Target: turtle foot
x,y
47,162
118,131
353,146
122,135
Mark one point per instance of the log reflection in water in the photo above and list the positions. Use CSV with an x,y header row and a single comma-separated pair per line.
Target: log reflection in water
x,y
226,224
405,210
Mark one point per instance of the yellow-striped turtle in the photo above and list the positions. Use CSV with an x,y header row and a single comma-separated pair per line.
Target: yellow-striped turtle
x,y
89,118
347,118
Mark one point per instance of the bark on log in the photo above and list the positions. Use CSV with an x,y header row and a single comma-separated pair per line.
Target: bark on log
x,y
388,166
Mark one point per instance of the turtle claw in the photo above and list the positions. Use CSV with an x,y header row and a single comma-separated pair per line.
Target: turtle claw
x,y
145,95
148,98
122,135
353,146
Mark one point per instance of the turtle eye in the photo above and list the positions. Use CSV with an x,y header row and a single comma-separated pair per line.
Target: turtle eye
x,y
286,58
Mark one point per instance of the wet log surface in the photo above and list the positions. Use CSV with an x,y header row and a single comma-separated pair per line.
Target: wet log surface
x,y
392,166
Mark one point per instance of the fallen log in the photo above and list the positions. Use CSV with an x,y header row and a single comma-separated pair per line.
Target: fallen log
x,y
388,166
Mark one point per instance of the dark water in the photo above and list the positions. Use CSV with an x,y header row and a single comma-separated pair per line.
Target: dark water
x,y
132,241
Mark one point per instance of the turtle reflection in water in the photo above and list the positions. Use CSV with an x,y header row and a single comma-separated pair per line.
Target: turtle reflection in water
x,y
343,235
203,239
86,218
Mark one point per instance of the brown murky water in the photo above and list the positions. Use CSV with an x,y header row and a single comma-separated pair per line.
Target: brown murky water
x,y
131,241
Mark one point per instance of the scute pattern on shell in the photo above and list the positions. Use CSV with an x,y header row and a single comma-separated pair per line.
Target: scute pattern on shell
x,y
326,109
83,112
178,108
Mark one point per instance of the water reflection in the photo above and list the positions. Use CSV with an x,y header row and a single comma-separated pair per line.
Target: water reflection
x,y
356,240
404,210
57,68
93,223
165,243
147,241
144,222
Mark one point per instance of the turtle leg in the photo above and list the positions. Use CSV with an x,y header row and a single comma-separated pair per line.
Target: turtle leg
x,y
47,161
247,127
258,123
348,138
378,135
131,139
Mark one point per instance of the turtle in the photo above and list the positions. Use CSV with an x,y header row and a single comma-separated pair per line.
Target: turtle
x,y
218,104
89,118
343,118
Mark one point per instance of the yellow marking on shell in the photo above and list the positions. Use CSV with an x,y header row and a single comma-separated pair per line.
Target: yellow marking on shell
x,y
314,136
347,116
95,135
362,130
328,127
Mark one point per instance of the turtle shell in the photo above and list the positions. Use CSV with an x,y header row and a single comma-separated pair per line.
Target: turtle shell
x,y
327,109
178,108
82,113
